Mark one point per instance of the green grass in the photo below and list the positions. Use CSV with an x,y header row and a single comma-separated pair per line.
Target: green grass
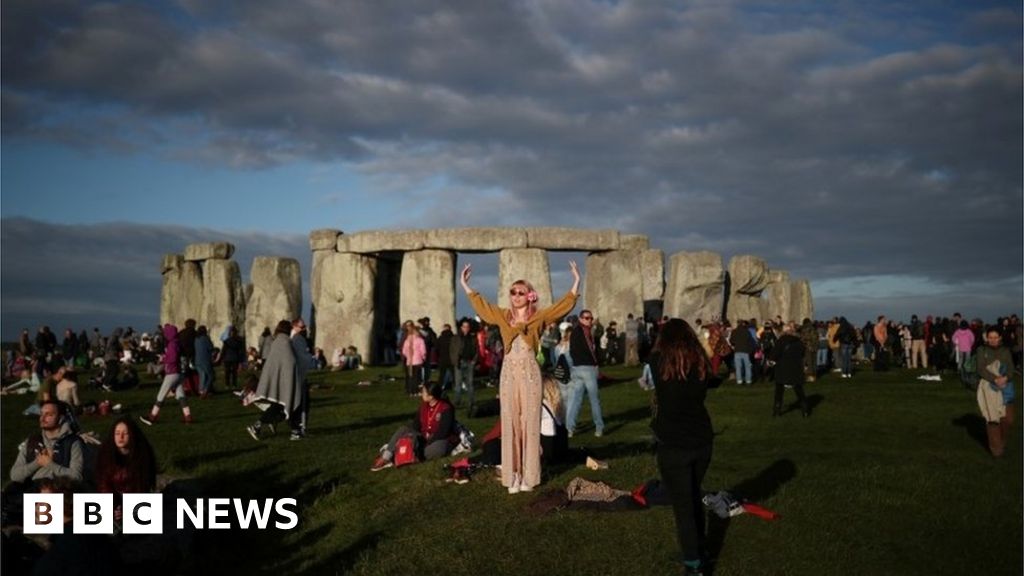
x,y
889,476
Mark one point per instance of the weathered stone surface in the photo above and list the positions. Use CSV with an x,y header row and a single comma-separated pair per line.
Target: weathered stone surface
x,y
171,261
696,286
527,264
776,296
182,294
381,241
276,295
223,297
747,275
475,239
314,284
801,303
634,242
345,310
208,251
324,239
427,287
744,307
572,239
652,270
612,290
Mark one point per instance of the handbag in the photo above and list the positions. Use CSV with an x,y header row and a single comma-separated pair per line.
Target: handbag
x,y
562,372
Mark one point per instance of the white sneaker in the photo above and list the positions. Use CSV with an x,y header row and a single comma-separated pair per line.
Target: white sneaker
x,y
515,487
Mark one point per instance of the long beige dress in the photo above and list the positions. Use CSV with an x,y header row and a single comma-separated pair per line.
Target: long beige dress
x,y
520,395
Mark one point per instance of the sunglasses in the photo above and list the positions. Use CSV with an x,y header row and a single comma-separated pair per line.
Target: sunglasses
x,y
517,292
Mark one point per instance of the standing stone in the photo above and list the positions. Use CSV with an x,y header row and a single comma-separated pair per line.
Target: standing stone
x,y
614,288
696,286
182,294
748,277
345,311
315,287
427,287
776,296
800,301
223,298
276,295
652,269
634,242
528,264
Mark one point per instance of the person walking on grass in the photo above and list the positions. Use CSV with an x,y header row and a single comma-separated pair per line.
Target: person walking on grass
x,y
173,380
682,428
278,386
521,326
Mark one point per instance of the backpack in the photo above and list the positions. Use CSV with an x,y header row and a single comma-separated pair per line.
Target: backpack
x,y
562,372
405,451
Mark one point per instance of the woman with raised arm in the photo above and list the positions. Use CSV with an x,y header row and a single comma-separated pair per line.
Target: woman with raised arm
x,y
521,327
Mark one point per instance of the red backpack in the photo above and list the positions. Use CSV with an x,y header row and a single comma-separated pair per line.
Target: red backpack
x,y
405,451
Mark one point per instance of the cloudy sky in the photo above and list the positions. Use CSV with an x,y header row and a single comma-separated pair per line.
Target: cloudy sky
x,y
874,148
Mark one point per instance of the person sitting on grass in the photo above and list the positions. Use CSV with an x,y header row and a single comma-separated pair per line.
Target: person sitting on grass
x,y
125,463
433,429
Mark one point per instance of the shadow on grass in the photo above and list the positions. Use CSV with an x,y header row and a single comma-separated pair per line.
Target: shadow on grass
x,y
757,489
366,423
189,463
253,551
974,424
342,561
813,401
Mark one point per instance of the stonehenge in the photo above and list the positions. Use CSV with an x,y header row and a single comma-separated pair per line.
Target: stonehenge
x,y
364,284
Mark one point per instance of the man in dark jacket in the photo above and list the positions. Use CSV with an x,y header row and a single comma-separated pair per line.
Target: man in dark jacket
x,y
445,364
788,357
584,352
462,354
743,346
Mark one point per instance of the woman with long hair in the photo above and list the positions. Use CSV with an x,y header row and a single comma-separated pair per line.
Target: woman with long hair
x,y
521,326
682,427
125,463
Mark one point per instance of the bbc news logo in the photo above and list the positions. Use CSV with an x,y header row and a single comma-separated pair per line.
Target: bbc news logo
x,y
144,513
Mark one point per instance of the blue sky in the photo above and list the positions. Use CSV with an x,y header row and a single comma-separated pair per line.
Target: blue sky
x,y
873,148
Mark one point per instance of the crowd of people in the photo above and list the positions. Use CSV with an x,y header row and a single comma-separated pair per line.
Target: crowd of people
x,y
544,362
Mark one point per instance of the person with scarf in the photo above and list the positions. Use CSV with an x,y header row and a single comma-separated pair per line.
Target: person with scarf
x,y
521,326
278,386
583,355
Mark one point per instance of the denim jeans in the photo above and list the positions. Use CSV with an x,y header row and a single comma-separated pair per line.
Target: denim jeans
x,y
584,379
744,371
822,357
845,357
464,376
205,378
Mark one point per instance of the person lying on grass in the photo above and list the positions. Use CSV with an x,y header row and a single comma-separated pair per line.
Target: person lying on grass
x,y
432,430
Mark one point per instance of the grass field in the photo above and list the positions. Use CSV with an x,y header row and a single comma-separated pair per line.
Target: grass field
x,y
889,476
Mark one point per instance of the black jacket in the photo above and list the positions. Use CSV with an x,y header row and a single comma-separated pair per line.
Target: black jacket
x,y
579,350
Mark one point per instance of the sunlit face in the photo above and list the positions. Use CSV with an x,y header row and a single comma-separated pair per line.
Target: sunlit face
x,y
465,327
49,417
519,295
122,438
